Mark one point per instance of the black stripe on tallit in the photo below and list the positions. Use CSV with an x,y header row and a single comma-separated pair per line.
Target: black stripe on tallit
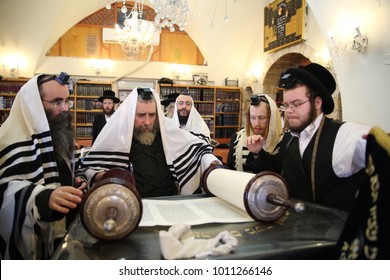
x,y
13,146
202,136
101,159
188,168
21,199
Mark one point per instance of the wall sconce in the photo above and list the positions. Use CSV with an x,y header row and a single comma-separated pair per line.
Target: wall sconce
x,y
177,71
12,65
251,78
99,66
338,49
359,42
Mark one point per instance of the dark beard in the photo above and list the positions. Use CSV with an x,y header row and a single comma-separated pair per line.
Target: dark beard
x,y
146,137
109,112
183,120
62,135
311,119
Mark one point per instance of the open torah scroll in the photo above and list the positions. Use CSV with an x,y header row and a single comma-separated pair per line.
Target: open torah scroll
x,y
237,197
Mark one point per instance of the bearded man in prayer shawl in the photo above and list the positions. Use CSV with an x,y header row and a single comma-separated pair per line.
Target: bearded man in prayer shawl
x,y
36,178
164,159
188,118
262,118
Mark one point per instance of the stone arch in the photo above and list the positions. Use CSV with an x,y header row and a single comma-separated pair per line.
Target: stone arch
x,y
278,61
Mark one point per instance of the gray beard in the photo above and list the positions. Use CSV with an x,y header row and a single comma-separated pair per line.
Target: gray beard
x,y
146,137
62,136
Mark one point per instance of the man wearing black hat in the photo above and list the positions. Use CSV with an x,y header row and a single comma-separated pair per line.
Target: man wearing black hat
x,y
169,104
322,160
108,100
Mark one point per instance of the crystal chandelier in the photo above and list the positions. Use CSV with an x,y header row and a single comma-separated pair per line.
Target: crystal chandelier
x,y
171,12
136,34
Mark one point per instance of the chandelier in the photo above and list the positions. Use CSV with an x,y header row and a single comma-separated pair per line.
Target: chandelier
x,y
137,34
171,12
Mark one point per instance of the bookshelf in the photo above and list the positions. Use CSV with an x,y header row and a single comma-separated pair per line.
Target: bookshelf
x,y
219,106
9,87
86,102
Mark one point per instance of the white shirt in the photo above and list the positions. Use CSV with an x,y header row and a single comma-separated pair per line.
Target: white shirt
x,y
349,151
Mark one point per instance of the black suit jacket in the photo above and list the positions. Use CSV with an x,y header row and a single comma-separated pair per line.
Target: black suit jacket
x,y
98,124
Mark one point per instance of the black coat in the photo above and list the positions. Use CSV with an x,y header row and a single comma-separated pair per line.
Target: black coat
x,y
98,124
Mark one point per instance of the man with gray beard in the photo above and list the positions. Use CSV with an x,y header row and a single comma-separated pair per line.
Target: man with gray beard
x,y
39,190
164,159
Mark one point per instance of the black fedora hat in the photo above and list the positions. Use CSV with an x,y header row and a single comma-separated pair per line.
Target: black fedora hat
x,y
109,94
171,98
317,78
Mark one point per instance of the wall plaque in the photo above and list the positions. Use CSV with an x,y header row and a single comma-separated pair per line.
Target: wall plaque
x,y
284,23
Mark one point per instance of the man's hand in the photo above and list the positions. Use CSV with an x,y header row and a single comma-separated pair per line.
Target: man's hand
x,y
64,198
255,143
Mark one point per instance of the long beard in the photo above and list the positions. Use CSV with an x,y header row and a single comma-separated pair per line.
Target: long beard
x,y
61,134
183,119
146,136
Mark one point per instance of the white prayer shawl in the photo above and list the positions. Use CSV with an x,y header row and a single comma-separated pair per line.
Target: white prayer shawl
x,y
186,155
275,134
195,123
27,167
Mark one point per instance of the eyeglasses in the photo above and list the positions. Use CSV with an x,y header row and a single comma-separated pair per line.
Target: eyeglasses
x,y
60,103
293,105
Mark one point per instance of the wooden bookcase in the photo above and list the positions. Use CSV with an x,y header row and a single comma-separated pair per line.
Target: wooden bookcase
x,y
219,106
9,87
86,106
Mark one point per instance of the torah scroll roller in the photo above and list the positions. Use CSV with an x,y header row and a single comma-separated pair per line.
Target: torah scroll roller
x,y
112,208
263,196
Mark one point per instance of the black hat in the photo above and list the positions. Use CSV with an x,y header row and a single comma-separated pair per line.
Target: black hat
x,y
171,98
109,94
317,78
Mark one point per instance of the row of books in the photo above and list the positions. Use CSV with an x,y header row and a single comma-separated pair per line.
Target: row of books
x,y
227,107
3,116
224,132
205,109
85,104
197,94
84,132
226,120
10,87
6,102
85,118
227,95
92,90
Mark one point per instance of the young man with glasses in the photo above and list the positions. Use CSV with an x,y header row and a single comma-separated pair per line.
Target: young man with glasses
x,y
262,118
40,191
322,160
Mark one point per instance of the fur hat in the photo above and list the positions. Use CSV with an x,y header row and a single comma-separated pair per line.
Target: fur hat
x,y
317,78
109,94
171,98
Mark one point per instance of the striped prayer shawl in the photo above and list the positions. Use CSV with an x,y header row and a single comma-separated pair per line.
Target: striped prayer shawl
x,y
186,155
27,167
195,123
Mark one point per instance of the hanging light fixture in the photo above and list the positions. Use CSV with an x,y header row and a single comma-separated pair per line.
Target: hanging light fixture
x,y
171,12
137,34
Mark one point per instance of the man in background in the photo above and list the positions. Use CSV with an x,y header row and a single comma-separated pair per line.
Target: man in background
x,y
108,100
169,104
188,118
